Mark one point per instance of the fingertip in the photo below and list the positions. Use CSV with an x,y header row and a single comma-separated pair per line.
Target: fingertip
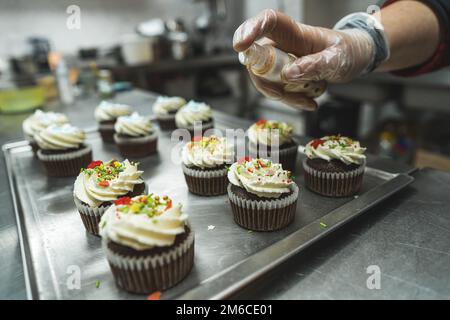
x,y
244,36
300,102
311,106
292,72
240,46
237,39
304,107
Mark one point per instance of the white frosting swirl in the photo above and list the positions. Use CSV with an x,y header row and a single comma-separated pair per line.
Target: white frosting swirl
x,y
270,133
336,147
89,189
40,120
134,125
107,111
143,224
208,152
191,113
260,177
60,137
166,105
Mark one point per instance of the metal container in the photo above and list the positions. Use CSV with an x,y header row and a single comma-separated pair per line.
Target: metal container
x,y
56,248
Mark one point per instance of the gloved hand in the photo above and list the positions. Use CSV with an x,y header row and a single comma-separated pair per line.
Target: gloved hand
x,y
323,54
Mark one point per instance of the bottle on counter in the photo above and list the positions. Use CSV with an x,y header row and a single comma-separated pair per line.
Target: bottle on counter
x,y
268,63
105,84
64,86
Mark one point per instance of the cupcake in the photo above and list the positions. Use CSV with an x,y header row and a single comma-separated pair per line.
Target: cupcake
x,y
165,109
196,114
38,121
97,186
262,195
204,163
135,136
334,166
273,140
148,243
106,115
62,150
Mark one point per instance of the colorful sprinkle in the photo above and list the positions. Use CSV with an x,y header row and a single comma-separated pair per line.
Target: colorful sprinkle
x,y
155,296
122,201
103,184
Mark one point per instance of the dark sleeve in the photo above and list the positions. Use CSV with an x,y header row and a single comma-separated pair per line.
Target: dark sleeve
x,y
441,58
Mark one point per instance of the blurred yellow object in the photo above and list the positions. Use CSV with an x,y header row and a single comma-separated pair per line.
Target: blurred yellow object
x,y
21,99
387,136
427,159
48,83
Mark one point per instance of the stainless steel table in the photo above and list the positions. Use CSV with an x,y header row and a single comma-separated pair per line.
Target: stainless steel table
x,y
407,237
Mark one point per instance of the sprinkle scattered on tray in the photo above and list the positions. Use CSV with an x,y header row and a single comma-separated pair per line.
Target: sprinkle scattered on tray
x,y
323,225
155,296
211,227
97,284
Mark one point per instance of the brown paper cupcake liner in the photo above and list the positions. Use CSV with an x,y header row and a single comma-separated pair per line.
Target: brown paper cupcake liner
x,y
287,157
166,122
91,216
65,164
206,182
144,275
333,184
264,215
107,132
33,144
205,126
137,147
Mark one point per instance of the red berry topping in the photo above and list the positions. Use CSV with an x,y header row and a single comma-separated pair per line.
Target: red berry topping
x,y
261,122
122,201
316,143
94,164
197,138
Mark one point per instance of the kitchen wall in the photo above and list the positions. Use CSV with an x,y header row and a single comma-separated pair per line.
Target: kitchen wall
x,y
293,8
102,21
326,13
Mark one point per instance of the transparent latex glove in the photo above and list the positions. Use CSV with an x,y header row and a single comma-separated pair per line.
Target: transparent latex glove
x,y
323,54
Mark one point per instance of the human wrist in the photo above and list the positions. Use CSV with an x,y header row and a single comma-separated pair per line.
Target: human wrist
x,y
379,46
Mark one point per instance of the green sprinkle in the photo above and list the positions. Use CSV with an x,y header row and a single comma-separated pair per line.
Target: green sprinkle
x,y
103,224
150,201
323,225
97,284
249,231
155,221
124,209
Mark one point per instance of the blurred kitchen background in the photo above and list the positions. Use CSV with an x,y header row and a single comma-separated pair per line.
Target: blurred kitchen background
x,y
183,48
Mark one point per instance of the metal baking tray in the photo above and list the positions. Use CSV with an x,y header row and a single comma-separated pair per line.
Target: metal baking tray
x,y
55,245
